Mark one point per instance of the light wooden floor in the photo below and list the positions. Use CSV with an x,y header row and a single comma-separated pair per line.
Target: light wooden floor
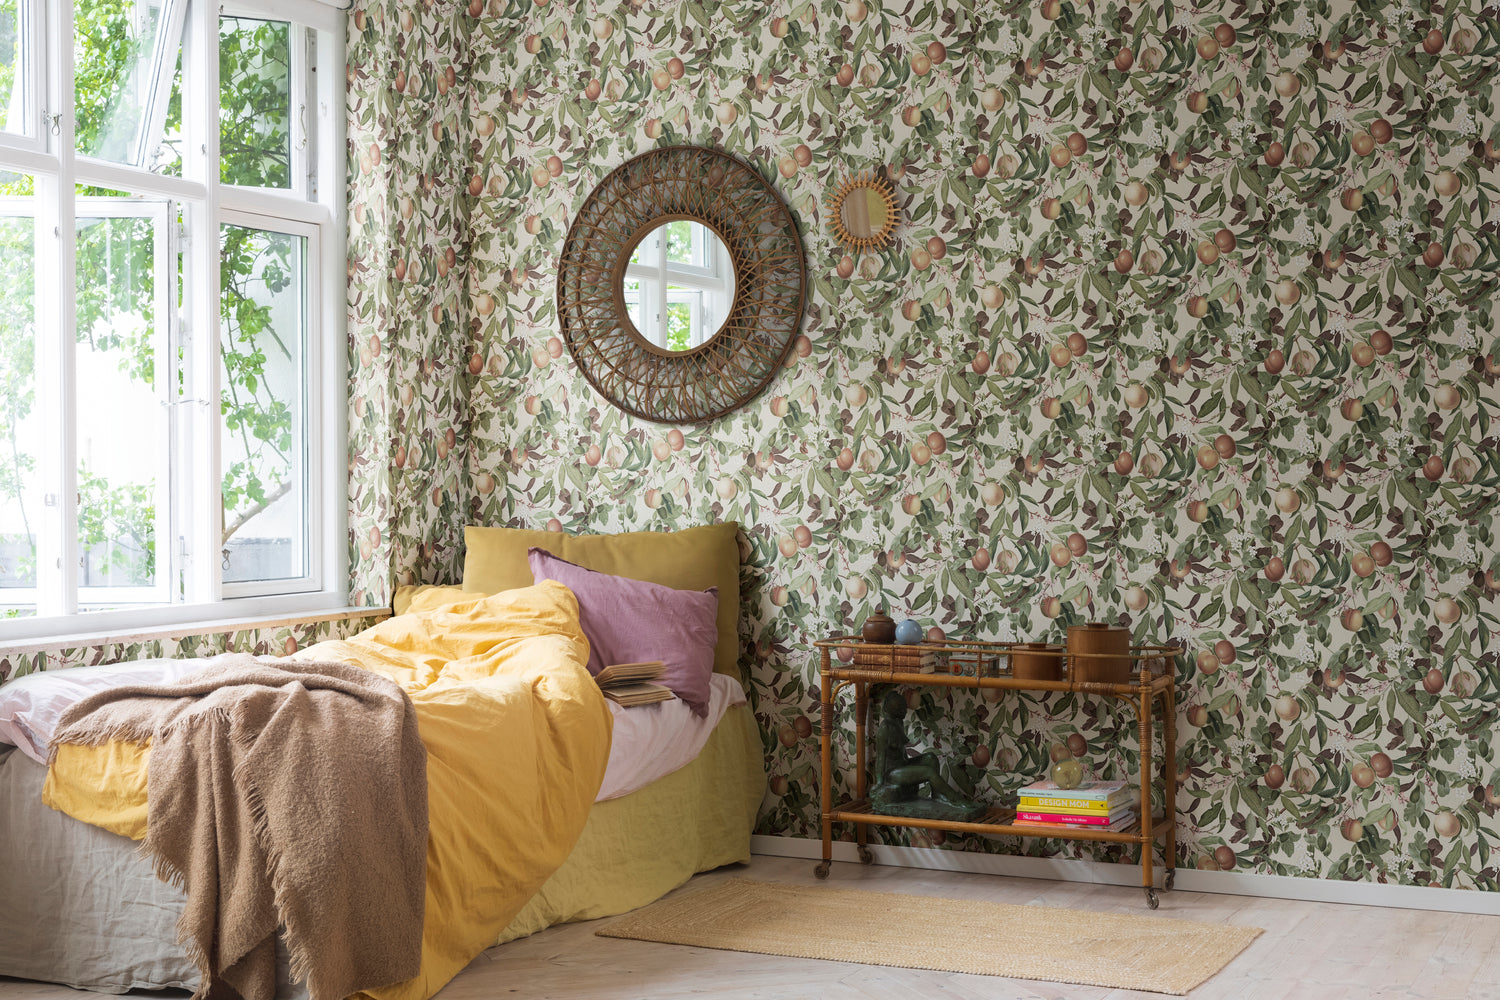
x,y
1310,951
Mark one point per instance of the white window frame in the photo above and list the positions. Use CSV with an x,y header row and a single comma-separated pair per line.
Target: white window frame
x,y
158,93
194,546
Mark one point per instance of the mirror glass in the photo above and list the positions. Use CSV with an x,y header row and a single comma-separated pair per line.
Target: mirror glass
x,y
679,285
864,212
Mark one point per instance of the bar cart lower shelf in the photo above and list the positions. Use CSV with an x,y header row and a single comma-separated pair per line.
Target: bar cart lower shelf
x,y
1143,693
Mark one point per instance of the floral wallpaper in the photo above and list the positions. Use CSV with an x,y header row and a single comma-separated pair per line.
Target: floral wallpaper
x,y
409,200
1189,325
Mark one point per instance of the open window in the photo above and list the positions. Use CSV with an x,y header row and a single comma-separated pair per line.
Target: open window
x,y
125,59
171,312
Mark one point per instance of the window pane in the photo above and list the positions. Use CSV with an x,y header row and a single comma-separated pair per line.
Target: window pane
x,y
122,61
264,317
13,117
20,492
122,423
679,326
680,242
255,102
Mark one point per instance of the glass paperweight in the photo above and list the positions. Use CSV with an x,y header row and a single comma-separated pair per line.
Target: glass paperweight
x,y
1067,773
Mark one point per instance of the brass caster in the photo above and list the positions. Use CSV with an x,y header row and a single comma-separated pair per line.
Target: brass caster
x,y
1171,878
1151,899
866,856
822,870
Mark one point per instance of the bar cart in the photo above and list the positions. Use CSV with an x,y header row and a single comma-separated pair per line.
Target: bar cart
x,y
1142,693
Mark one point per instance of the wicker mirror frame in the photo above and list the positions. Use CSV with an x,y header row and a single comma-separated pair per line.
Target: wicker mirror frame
x,y
770,276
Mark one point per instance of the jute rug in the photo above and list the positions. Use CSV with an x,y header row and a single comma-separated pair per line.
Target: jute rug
x,y
1123,951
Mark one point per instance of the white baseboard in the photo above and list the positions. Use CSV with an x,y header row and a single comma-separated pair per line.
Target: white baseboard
x,y
1407,897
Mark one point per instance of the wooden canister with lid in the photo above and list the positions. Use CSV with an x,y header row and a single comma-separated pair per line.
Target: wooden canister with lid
x,y
1100,653
1036,661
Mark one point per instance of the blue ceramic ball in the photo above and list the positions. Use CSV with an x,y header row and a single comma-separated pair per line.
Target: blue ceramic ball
x,y
910,632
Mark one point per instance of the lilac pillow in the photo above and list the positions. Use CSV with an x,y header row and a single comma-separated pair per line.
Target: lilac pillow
x,y
629,621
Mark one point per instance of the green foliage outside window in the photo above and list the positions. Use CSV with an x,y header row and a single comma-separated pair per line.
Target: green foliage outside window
x,y
679,326
680,242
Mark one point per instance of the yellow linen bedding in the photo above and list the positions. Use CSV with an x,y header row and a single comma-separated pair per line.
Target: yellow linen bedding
x,y
517,738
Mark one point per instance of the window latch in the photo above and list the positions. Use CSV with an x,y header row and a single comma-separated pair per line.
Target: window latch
x,y
52,123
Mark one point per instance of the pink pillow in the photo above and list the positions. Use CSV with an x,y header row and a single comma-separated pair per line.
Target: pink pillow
x,y
628,621
30,706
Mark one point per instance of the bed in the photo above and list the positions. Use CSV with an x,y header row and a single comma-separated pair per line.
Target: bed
x,y
679,796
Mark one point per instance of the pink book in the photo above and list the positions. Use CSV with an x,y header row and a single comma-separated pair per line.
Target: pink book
x,y
1067,820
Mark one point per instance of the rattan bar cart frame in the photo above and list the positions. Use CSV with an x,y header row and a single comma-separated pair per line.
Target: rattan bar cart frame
x,y
1143,694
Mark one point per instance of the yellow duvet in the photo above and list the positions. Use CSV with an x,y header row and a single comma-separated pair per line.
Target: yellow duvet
x,y
517,738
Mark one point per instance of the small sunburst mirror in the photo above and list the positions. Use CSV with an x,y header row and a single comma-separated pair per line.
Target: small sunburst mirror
x,y
862,212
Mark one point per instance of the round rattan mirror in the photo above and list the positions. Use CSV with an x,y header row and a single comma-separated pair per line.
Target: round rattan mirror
x,y
862,212
681,285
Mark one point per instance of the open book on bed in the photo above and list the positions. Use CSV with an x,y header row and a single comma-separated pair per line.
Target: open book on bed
x,y
630,684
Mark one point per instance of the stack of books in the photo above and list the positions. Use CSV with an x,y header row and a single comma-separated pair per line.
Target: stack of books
x,y
630,684
1093,805
898,658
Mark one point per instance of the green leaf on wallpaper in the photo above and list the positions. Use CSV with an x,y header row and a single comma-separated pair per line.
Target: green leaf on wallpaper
x,y
1455,216
1409,278
696,11
1252,799
1409,706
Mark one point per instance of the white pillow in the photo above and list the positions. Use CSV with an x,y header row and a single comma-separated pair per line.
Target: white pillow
x,y
30,706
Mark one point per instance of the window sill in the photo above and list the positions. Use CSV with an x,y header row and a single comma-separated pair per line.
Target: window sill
x,y
180,630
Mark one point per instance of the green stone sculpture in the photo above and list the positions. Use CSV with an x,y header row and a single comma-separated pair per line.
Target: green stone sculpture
x,y
899,776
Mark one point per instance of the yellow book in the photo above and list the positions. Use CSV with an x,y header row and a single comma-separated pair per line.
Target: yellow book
x,y
1084,807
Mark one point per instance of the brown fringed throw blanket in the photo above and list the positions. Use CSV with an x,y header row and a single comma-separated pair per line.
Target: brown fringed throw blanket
x,y
281,794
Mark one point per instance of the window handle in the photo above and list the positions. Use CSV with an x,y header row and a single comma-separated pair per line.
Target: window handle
x,y
52,123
